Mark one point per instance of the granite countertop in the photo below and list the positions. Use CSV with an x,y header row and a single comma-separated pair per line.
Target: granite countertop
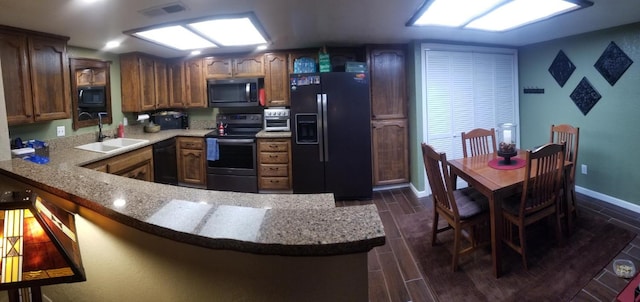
x,y
277,224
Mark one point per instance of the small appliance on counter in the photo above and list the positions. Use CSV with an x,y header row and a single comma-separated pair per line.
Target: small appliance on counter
x,y
277,119
170,120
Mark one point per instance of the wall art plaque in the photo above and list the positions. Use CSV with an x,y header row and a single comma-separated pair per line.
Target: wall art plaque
x,y
585,96
561,68
613,63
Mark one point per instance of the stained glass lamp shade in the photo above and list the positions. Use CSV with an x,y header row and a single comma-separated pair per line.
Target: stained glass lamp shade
x,y
38,244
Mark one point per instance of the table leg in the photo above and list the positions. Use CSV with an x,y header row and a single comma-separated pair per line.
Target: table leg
x,y
495,207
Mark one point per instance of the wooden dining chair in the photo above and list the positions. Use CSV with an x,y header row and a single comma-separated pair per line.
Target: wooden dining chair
x,y
464,209
478,141
571,137
540,197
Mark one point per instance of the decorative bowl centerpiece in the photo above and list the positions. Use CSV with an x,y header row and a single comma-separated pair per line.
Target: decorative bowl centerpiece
x,y
507,135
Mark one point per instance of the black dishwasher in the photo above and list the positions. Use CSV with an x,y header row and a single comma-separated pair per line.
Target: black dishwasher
x,y
165,165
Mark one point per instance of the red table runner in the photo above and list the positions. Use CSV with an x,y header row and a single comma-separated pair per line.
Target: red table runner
x,y
626,295
516,163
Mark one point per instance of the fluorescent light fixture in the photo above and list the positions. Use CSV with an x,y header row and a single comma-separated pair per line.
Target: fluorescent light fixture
x,y
230,32
177,37
491,15
201,33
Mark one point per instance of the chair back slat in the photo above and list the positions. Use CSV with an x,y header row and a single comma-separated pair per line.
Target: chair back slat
x,y
478,141
571,137
543,177
439,180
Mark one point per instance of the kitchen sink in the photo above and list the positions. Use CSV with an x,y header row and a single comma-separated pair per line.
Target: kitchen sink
x,y
113,145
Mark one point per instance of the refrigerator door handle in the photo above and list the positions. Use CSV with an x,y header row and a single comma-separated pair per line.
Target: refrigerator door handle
x,y
325,127
319,127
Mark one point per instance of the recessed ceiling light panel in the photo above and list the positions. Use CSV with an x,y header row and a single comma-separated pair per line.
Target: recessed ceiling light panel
x,y
230,32
176,37
491,15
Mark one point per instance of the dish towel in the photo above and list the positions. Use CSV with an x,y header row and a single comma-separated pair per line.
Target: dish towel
x,y
212,149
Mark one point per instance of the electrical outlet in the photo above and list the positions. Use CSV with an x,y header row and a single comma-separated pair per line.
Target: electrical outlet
x,y
584,169
60,130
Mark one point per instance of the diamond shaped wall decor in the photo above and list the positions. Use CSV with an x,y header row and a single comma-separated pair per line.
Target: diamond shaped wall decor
x,y
613,63
561,68
585,96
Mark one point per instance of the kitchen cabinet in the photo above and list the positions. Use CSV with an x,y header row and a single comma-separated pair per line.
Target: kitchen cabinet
x,y
192,162
274,164
390,151
35,73
137,164
143,82
388,89
91,77
390,141
276,80
221,67
195,84
307,54
175,79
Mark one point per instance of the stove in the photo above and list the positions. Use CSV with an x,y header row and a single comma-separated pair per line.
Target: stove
x,y
235,169
239,125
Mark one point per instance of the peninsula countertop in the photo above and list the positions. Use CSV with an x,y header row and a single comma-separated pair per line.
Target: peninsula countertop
x,y
275,224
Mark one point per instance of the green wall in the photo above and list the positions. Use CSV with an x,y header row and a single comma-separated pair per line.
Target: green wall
x,y
609,133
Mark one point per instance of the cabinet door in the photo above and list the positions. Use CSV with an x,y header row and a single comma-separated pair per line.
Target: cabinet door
x,y
195,84
276,80
390,151
217,67
147,83
162,91
50,78
15,76
388,84
191,161
143,171
176,84
252,66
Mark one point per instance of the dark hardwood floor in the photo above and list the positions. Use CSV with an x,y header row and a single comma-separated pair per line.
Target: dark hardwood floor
x,y
394,275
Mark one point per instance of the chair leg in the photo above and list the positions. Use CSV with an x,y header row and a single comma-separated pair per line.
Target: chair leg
x,y
434,227
456,248
558,228
523,245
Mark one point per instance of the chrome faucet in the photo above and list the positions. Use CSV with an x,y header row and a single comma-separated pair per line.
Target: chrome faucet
x,y
101,136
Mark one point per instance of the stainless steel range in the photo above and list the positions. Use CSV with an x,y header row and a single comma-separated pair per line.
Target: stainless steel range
x,y
236,167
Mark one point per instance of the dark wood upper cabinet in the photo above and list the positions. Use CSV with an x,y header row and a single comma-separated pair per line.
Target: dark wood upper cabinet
x,y
90,74
388,78
143,82
35,73
276,80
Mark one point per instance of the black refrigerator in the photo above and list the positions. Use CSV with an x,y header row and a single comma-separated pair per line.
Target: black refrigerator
x,y
331,134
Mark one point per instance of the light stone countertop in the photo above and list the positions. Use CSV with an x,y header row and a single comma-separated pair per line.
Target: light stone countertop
x,y
277,224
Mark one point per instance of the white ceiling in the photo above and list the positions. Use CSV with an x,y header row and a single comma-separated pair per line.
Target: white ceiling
x,y
291,23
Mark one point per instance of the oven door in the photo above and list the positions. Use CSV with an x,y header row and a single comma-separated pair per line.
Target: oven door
x,y
237,157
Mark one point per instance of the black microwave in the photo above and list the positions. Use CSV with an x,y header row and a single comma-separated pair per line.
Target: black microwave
x,y
92,97
233,92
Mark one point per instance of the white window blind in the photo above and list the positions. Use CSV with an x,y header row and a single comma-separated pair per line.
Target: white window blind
x,y
466,89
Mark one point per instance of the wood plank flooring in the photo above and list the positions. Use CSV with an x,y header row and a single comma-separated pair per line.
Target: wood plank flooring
x,y
394,275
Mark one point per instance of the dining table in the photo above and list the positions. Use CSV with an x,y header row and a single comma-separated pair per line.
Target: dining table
x,y
496,183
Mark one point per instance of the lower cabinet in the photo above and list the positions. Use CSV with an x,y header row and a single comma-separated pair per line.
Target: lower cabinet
x,y
192,162
390,139
274,164
137,164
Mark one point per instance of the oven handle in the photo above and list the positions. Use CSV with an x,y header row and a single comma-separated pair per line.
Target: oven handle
x,y
223,141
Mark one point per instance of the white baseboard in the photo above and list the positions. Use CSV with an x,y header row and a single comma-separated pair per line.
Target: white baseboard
x,y
609,199
597,195
390,187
